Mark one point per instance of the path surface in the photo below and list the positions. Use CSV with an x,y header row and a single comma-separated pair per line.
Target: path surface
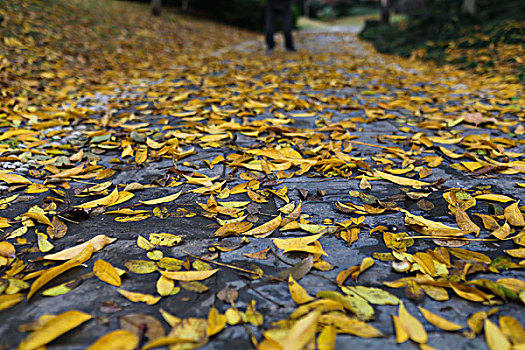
x,y
336,110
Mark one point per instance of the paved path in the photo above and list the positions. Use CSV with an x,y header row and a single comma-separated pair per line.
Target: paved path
x,y
336,99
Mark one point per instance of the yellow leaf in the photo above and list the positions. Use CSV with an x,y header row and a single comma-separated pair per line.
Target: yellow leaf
x,y
10,300
118,340
165,239
465,254
265,229
439,321
106,272
43,244
326,339
298,293
429,227
401,333
464,222
412,326
165,199
165,286
349,325
216,322
139,297
373,295
496,339
14,179
40,217
97,243
144,243
400,180
7,249
502,232
69,172
290,243
233,228
514,216
141,266
105,201
53,272
189,275
494,197
302,332
512,329
54,328
364,184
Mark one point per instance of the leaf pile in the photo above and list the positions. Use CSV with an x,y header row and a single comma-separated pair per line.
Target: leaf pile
x,y
238,168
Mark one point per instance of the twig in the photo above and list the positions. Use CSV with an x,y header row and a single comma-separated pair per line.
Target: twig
x,y
64,218
236,268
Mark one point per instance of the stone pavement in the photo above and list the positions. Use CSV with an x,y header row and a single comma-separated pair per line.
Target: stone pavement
x,y
336,92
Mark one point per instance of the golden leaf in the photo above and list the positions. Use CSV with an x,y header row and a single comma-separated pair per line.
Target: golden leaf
x,y
106,272
160,200
494,197
439,321
14,179
496,339
412,326
265,229
105,201
216,322
97,243
10,300
165,239
141,266
53,272
514,216
120,339
165,286
302,332
189,275
298,293
400,180
55,327
464,222
7,249
401,333
512,329
139,297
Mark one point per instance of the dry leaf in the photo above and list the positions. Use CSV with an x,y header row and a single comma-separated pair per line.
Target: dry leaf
x,y
54,328
97,243
120,339
53,272
107,273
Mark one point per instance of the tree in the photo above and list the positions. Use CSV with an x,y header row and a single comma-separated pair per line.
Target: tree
x,y
156,6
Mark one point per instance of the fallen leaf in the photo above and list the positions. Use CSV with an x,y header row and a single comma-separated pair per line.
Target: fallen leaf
x,y
106,273
139,297
412,326
189,275
120,339
97,243
53,272
439,321
54,328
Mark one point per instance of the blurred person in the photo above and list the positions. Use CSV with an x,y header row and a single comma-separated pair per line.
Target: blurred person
x,y
284,8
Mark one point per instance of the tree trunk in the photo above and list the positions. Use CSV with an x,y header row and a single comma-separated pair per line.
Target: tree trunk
x,y
185,5
469,6
156,6
385,11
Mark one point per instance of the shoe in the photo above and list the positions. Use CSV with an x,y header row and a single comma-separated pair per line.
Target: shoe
x,y
290,49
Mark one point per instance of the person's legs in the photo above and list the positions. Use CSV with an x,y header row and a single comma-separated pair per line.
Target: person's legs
x,y
287,25
270,25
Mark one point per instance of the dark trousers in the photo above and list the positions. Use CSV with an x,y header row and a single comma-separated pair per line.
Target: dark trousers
x,y
284,7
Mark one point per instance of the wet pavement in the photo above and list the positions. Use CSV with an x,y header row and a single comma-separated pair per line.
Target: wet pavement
x,y
347,86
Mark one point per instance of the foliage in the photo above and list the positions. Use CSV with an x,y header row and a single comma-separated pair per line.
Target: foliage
x,y
491,40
